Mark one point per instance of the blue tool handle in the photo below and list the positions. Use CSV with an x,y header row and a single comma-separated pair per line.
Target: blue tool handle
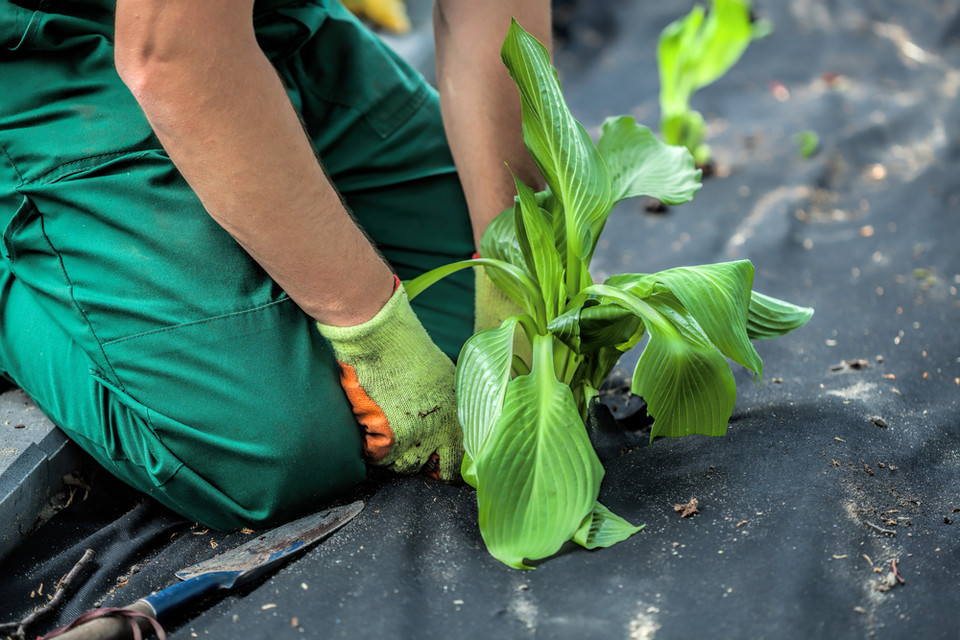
x,y
172,599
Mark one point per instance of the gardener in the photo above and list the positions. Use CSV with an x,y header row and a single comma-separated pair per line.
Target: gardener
x,y
171,243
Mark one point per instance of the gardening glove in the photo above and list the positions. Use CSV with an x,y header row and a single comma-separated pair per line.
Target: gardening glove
x,y
400,386
492,306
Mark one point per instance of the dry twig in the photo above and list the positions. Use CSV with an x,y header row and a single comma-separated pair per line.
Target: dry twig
x,y
896,573
54,602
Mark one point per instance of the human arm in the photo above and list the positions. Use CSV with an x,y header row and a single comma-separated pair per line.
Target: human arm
x,y
479,101
221,113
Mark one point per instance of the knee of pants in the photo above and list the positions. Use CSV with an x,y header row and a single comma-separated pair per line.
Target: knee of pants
x,y
232,468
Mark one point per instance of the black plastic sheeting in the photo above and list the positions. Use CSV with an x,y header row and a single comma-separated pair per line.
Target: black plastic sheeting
x,y
845,459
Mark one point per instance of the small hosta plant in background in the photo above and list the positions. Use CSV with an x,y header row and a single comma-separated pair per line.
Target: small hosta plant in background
x,y
693,52
527,450
808,142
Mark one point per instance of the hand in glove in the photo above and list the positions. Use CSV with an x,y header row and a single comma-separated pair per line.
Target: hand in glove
x,y
401,388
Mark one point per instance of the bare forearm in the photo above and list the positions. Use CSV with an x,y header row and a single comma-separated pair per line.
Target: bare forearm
x,y
480,103
223,116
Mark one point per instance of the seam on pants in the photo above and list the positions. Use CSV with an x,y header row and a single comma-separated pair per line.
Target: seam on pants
x,y
13,164
174,327
67,169
73,299
32,24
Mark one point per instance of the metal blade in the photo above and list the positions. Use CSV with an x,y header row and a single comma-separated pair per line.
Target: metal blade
x,y
268,549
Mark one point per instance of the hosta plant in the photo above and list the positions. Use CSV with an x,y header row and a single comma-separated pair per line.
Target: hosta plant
x,y
693,52
527,450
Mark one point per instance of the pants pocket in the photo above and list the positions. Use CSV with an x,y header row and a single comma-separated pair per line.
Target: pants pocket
x,y
35,262
130,437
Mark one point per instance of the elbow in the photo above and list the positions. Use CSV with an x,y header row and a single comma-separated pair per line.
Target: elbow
x,y
137,61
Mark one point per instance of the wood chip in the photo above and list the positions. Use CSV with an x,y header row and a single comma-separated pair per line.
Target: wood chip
x,y
687,510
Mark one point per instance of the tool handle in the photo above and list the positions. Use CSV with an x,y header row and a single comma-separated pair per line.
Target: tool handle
x,y
159,605
170,600
111,627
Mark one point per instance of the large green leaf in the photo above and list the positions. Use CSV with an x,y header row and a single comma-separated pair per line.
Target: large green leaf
x,y
638,285
769,317
684,379
717,296
603,528
549,203
483,371
538,474
536,241
561,147
641,165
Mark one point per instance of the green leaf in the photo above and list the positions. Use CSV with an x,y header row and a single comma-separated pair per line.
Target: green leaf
x,y
592,325
640,285
769,317
483,371
725,36
511,280
606,325
694,52
603,528
418,285
807,143
549,203
641,165
688,130
685,381
538,473
677,44
718,296
561,147
536,242
499,240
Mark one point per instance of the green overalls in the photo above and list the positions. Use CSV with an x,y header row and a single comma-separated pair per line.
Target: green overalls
x,y
138,325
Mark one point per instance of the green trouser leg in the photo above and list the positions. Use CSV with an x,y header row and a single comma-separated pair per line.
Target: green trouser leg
x,y
139,326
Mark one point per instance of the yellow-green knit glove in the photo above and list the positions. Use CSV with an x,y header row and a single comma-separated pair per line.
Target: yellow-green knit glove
x,y
400,386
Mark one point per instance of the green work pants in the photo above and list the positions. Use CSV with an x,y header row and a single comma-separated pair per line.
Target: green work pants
x,y
138,325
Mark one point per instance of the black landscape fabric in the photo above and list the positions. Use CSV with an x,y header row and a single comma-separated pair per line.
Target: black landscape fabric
x,y
832,507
